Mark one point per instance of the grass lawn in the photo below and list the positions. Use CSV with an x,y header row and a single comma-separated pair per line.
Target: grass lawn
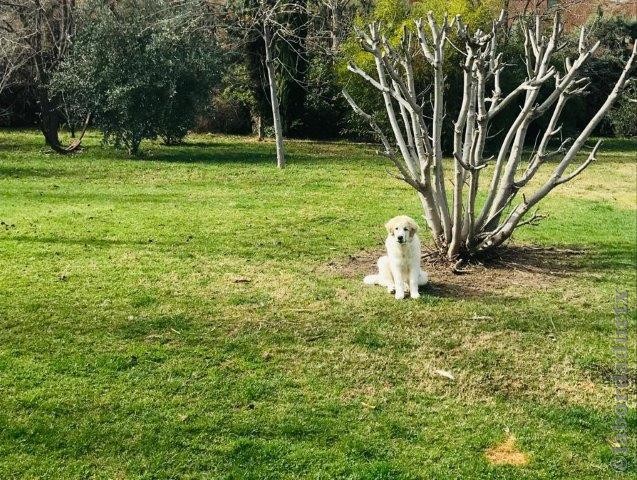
x,y
199,314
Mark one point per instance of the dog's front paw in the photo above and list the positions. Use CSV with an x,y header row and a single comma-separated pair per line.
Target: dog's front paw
x,y
400,295
391,289
414,294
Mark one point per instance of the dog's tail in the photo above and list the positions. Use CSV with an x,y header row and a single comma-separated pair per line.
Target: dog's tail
x,y
371,280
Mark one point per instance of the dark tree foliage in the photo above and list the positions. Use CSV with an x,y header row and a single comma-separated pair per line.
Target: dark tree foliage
x,y
624,117
615,35
325,107
603,70
258,82
293,65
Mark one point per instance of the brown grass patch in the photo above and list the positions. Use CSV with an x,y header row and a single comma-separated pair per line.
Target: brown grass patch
x,y
514,268
507,453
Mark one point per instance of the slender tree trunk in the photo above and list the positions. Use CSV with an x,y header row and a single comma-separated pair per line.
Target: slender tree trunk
x,y
274,98
335,21
258,126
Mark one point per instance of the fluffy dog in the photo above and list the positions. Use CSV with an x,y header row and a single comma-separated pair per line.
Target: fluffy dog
x,y
400,270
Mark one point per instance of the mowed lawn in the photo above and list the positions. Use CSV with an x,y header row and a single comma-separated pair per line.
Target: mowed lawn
x,y
199,314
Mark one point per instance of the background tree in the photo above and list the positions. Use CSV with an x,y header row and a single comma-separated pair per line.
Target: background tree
x,y
274,33
462,227
310,71
143,67
334,16
12,52
623,117
41,32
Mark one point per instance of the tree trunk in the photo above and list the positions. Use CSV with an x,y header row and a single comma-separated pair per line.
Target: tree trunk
x,y
335,21
50,123
257,125
50,126
274,98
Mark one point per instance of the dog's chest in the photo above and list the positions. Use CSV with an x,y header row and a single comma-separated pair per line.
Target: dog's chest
x,y
402,255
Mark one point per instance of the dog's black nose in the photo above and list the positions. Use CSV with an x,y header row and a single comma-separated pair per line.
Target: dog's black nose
x,y
400,238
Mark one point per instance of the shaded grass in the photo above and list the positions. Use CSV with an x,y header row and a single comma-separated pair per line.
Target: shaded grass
x,y
173,317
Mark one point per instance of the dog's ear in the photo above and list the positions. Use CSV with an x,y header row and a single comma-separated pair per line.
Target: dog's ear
x,y
390,227
413,228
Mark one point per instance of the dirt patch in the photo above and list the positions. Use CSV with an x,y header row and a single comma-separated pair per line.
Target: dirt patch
x,y
507,453
607,374
514,268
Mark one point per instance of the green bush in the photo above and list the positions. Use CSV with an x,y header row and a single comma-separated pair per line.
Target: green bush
x,y
140,68
233,104
623,117
325,107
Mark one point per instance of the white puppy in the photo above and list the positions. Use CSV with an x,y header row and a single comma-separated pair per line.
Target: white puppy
x,y
400,268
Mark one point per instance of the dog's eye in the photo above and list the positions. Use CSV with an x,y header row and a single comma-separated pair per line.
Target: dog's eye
x,y
405,229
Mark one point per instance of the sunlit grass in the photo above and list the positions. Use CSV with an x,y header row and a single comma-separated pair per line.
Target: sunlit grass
x,y
185,315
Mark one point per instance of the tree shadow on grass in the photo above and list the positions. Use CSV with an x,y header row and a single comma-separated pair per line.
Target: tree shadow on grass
x,y
249,151
565,261
87,242
617,145
225,154
616,150
12,141
11,171
211,156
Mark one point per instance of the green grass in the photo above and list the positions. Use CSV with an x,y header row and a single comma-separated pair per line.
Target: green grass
x,y
188,315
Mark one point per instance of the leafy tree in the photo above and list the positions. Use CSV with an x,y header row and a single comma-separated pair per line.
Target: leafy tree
x,y
624,117
143,67
274,35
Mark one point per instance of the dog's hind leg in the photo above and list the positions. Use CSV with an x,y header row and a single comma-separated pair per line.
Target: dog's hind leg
x,y
383,277
423,278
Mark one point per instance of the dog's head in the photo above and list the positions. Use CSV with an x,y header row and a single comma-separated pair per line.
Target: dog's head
x,y
402,228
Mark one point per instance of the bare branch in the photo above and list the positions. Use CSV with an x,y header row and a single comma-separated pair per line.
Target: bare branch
x,y
591,158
